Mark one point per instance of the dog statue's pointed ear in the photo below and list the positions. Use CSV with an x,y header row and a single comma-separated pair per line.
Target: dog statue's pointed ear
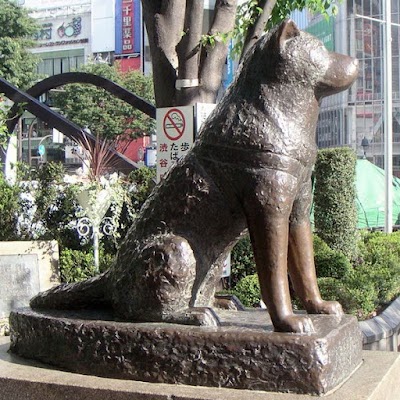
x,y
287,30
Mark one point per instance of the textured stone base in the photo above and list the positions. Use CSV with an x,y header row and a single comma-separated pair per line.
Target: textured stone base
x,y
244,353
376,379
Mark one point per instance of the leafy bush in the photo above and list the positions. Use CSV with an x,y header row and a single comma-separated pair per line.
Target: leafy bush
x,y
380,263
248,291
9,209
142,181
357,296
48,205
242,260
329,263
77,265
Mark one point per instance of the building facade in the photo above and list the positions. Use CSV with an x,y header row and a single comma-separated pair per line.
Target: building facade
x,y
70,35
355,118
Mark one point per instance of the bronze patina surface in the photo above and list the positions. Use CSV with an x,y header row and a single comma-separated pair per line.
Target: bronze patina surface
x,y
250,168
243,353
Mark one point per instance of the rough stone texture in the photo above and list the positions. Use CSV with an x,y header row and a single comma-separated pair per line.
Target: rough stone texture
x,y
19,281
241,354
47,254
376,379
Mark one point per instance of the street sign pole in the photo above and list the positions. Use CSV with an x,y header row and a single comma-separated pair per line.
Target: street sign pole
x,y
388,132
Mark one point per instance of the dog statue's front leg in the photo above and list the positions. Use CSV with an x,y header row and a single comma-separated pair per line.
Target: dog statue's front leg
x,y
302,271
269,235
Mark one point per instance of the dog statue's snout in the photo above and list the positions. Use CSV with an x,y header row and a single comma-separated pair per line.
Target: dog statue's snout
x,y
342,72
354,67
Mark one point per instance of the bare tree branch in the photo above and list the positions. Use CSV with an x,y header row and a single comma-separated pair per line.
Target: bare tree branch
x,y
256,30
213,57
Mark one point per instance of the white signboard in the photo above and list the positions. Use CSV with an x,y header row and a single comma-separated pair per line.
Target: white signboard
x,y
174,136
226,272
202,111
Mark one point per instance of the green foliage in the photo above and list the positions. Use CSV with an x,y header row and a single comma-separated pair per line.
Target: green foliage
x,y
362,287
49,207
374,279
380,256
54,208
4,134
142,181
248,291
103,113
78,265
283,9
242,260
357,296
248,12
17,65
335,213
328,262
9,209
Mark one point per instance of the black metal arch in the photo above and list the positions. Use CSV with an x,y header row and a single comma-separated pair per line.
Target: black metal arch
x,y
56,81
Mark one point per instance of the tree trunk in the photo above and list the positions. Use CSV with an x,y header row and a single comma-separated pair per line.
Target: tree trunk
x,y
184,72
187,70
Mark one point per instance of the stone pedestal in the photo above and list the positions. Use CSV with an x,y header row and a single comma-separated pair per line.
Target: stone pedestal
x,y
244,353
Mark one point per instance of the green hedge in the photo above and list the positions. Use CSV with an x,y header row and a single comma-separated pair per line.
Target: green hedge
x,y
363,287
247,291
335,213
242,260
77,265
329,263
380,263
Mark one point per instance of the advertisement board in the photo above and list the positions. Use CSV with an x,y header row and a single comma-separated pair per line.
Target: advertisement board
x,y
127,27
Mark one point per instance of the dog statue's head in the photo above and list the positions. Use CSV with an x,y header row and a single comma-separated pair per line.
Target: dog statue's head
x,y
289,55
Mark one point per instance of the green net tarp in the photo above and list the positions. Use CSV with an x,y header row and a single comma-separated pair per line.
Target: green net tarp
x,y
370,188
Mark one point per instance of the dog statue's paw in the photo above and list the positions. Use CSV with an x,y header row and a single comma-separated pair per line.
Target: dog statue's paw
x,y
295,324
325,307
199,316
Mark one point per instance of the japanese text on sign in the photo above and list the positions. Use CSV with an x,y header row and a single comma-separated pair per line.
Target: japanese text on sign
x,y
127,26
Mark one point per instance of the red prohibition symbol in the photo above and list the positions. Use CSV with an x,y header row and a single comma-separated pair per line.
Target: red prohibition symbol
x,y
174,124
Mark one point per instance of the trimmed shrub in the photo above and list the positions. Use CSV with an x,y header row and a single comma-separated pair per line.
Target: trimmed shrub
x,y
76,265
248,291
380,263
329,263
335,213
142,180
242,260
357,297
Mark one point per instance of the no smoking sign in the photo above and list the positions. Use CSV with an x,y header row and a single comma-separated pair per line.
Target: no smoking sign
x,y
174,124
175,136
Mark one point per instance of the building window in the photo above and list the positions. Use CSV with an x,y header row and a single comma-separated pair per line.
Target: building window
x,y
60,62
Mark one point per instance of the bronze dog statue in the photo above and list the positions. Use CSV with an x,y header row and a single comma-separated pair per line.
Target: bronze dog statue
x,y
250,168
